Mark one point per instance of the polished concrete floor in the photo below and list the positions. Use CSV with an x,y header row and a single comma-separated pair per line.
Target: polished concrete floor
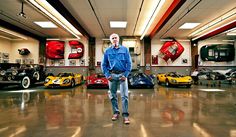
x,y
199,111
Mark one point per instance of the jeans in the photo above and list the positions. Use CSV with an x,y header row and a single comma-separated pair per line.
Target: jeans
x,y
113,86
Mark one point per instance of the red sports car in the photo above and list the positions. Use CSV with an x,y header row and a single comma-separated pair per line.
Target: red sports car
x,y
97,81
77,49
171,50
55,49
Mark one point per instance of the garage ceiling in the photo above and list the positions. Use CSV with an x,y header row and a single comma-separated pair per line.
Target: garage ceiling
x,y
94,17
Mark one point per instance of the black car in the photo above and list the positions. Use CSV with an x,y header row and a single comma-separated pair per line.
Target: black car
x,y
23,75
218,52
207,74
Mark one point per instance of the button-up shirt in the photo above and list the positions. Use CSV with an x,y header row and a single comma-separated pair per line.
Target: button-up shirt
x,y
116,59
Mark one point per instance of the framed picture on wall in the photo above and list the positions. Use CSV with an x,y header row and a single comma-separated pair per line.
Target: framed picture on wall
x,y
31,61
51,62
5,55
61,62
18,61
24,61
184,61
82,62
5,61
98,63
72,62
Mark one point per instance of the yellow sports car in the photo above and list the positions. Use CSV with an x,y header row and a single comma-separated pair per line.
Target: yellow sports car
x,y
173,78
63,80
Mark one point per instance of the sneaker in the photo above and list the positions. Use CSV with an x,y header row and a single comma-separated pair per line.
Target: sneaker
x,y
115,117
126,120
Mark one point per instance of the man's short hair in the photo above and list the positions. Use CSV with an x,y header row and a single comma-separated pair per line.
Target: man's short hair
x,y
112,35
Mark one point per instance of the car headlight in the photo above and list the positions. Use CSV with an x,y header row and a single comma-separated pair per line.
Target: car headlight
x,y
66,81
14,72
47,80
173,80
3,72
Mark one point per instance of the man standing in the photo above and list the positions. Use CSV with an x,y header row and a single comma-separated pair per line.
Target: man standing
x,y
116,65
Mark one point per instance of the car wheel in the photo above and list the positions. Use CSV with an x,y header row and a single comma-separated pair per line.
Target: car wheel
x,y
72,83
158,82
167,83
188,86
25,82
36,75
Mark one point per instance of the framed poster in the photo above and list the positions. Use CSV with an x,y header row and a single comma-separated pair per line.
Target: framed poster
x,y
72,62
5,55
31,61
18,61
61,62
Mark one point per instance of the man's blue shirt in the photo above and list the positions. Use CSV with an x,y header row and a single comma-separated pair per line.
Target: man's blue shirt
x,y
116,59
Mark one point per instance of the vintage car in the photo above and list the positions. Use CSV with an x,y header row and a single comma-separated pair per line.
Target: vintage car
x,y
218,52
175,79
171,50
23,75
140,80
63,80
207,74
77,49
97,81
55,49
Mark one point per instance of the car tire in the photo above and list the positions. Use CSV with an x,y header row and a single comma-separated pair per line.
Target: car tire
x,y
36,75
158,82
167,83
188,86
72,83
25,82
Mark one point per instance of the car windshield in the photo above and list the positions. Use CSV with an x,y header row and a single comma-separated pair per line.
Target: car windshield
x,y
175,75
100,75
64,74
139,75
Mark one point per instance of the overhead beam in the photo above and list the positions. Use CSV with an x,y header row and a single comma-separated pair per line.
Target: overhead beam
x,y
67,15
9,26
174,7
217,31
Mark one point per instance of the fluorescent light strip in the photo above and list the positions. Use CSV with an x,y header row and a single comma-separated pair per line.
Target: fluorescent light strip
x,y
227,15
228,40
5,37
52,39
152,19
213,30
212,90
231,34
13,33
43,5
22,91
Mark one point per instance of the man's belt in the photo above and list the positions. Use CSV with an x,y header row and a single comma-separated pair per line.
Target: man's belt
x,y
116,71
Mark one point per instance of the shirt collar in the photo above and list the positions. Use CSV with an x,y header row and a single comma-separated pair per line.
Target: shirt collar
x,y
113,46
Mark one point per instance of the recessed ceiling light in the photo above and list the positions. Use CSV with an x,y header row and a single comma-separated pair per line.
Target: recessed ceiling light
x,y
189,25
118,24
45,24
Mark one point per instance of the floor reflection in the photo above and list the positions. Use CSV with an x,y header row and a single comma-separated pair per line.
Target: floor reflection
x,y
86,112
